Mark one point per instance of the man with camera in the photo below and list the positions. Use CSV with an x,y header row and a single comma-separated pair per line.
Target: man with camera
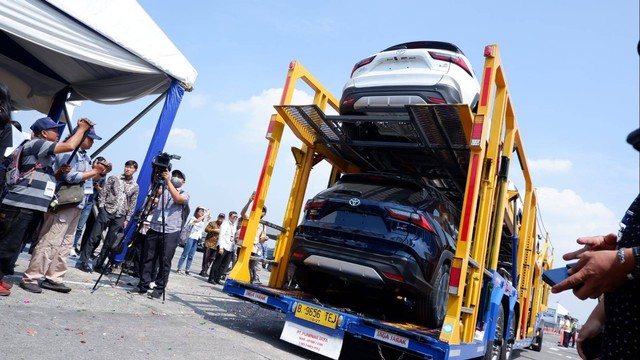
x,y
49,258
160,243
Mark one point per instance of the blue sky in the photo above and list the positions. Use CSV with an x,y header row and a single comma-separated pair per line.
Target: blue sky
x,y
572,69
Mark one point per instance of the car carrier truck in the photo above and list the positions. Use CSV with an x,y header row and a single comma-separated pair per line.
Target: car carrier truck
x,y
495,293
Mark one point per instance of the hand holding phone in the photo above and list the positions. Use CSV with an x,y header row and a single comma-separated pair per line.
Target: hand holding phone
x,y
555,276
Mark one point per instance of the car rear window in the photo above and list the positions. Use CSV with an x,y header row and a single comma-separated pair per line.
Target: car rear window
x,y
426,45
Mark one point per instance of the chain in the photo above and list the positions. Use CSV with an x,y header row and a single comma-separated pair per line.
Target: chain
x,y
382,356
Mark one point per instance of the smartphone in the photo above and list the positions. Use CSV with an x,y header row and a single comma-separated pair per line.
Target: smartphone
x,y
555,276
592,347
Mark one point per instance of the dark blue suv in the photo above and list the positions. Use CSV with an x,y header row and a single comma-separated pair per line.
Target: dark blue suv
x,y
380,235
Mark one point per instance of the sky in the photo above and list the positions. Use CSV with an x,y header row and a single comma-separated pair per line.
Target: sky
x,y
572,73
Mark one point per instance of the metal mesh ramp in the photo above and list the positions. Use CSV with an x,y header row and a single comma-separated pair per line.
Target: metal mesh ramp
x,y
427,143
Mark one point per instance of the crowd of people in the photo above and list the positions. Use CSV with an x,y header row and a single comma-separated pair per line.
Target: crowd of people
x,y
59,204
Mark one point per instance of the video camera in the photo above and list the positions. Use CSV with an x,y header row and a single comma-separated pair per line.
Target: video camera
x,y
160,163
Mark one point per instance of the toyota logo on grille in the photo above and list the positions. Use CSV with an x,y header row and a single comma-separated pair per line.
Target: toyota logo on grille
x,y
354,202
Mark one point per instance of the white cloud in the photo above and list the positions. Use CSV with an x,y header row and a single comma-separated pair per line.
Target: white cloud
x,y
182,139
551,165
567,216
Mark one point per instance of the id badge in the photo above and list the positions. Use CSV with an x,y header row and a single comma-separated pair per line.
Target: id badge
x,y
50,189
88,187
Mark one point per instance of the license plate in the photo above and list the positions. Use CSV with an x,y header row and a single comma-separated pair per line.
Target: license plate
x,y
316,315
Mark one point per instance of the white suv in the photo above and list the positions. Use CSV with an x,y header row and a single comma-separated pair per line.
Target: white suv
x,y
419,72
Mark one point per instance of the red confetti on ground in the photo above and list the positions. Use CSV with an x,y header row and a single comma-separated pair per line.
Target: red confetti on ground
x,y
32,332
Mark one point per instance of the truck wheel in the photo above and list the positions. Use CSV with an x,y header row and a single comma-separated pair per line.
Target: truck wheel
x,y
494,348
507,348
432,309
536,345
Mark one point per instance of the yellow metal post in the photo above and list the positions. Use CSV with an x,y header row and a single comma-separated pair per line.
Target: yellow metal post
x,y
322,98
461,273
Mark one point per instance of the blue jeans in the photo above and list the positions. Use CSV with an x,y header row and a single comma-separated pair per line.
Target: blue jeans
x,y
84,215
189,250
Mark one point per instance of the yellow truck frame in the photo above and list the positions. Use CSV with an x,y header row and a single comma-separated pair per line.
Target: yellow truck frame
x,y
492,136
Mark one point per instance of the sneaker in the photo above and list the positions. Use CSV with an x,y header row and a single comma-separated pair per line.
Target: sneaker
x,y
203,274
4,291
30,287
137,291
187,272
155,294
179,272
60,287
73,253
6,285
85,267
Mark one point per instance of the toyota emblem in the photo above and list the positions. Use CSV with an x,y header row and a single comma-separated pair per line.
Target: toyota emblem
x,y
354,202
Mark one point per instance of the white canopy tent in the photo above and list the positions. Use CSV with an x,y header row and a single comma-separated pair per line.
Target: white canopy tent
x,y
104,51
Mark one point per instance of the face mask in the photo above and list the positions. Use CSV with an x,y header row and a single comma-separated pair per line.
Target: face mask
x,y
176,182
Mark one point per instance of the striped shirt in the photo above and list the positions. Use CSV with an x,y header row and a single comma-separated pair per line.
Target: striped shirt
x,y
30,192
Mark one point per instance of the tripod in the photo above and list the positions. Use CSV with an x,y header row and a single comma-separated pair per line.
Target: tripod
x,y
158,187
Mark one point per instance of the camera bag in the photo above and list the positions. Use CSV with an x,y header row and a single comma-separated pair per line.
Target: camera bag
x,y
69,195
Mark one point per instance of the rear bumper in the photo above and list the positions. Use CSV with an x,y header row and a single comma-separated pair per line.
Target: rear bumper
x,y
357,100
361,267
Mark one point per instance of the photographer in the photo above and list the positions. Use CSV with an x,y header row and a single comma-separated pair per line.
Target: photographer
x,y
49,259
30,197
171,203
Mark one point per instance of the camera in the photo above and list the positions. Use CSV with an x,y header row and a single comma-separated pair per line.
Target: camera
x,y
160,163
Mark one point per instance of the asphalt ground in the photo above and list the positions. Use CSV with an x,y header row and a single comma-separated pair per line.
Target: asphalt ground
x,y
196,320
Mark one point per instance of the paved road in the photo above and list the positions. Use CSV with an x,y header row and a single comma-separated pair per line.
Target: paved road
x,y
550,350
197,321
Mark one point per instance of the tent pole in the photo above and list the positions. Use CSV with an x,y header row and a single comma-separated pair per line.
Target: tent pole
x,y
129,125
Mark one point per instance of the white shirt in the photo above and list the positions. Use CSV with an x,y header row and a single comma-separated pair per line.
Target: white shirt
x,y
227,234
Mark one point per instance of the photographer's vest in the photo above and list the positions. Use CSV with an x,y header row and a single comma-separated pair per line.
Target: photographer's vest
x,y
36,191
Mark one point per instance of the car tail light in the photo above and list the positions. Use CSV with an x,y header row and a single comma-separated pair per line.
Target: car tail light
x,y
436,100
297,255
411,217
313,203
395,277
348,101
362,63
452,59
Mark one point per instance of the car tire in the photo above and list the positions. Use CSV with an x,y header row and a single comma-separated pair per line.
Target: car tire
x,y
494,348
310,281
536,345
432,309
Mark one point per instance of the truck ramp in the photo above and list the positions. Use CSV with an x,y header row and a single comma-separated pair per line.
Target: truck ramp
x,y
428,143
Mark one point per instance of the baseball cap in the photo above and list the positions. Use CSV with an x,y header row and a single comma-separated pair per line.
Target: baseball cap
x,y
222,215
45,123
179,173
91,133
